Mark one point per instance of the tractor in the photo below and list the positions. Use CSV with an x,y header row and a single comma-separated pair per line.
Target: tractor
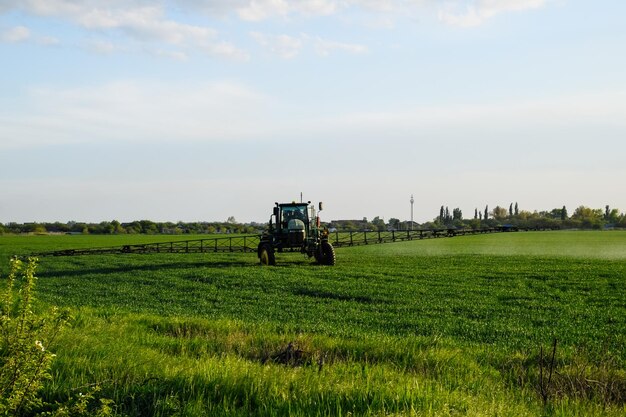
x,y
294,227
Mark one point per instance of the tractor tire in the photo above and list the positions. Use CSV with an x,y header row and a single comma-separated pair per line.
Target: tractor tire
x,y
318,255
266,255
327,254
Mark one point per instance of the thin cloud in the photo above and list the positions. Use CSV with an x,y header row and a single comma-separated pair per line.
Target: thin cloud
x,y
23,34
133,111
15,34
100,46
256,10
152,27
139,21
48,40
325,47
288,47
285,46
475,13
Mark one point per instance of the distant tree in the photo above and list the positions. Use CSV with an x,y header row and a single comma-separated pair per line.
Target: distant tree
x,y
442,214
475,213
39,229
588,217
457,214
554,214
79,227
486,216
57,227
516,209
499,213
105,228
394,223
586,212
12,228
511,210
621,221
117,227
607,212
614,216
231,220
133,228
564,213
379,224
480,215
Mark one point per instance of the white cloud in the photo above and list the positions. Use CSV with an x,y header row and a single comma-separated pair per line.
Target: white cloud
x,y
23,34
255,10
288,46
226,49
155,28
325,47
141,14
282,45
145,23
177,56
15,34
140,21
262,9
475,13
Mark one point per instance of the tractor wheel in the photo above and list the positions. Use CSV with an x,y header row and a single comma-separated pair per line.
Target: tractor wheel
x,y
327,254
266,255
318,255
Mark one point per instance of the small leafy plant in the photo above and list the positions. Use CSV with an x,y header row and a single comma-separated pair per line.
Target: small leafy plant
x,y
24,340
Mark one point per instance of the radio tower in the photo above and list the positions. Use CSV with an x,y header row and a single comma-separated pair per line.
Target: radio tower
x,y
412,201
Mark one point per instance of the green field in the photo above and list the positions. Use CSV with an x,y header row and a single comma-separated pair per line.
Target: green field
x,y
449,326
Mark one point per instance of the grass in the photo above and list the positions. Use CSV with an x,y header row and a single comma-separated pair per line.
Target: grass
x,y
433,327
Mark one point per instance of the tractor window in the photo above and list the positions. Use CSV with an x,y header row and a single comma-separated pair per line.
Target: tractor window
x,y
294,213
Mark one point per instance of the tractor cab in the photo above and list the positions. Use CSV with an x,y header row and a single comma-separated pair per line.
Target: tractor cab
x,y
292,223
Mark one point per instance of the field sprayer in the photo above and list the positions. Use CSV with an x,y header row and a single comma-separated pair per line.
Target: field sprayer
x,y
295,227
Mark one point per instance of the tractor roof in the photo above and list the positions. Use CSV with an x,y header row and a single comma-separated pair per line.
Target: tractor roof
x,y
294,204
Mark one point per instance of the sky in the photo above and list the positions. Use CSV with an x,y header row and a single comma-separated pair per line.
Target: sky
x,y
198,110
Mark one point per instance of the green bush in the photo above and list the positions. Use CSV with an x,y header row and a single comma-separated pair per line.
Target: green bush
x,y
24,340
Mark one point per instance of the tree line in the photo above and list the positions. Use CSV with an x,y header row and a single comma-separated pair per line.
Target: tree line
x,y
558,218
146,227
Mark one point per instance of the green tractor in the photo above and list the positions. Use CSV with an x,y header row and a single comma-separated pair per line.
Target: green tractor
x,y
294,227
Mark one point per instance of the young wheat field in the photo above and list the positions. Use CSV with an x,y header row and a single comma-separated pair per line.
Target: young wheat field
x,y
462,326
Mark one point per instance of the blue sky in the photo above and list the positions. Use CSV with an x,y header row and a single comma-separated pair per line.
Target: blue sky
x,y
202,109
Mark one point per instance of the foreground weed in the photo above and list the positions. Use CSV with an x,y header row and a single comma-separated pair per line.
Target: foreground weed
x,y
24,338
25,359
